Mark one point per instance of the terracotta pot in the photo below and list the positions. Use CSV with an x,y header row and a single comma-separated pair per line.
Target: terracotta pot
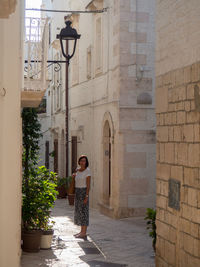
x,y
62,191
46,239
71,199
31,240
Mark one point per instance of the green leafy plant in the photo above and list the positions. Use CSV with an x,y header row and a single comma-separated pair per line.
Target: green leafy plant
x,y
52,154
151,224
62,181
39,184
37,205
48,224
31,134
70,185
69,181
66,181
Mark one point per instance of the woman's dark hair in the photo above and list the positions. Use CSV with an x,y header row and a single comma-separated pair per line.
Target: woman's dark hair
x,y
84,157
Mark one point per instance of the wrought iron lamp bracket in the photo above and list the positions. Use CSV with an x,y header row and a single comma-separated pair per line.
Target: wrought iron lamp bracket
x,y
56,63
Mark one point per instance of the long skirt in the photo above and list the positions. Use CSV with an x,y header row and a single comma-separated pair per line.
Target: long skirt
x,y
81,213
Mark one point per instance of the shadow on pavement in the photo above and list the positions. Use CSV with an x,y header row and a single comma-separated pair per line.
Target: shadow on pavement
x,y
46,257
90,249
99,263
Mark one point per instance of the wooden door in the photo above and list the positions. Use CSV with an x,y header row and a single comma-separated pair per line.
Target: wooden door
x,y
74,153
47,154
56,155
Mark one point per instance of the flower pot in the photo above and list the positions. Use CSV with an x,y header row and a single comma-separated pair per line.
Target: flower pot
x,y
71,199
46,239
62,191
31,240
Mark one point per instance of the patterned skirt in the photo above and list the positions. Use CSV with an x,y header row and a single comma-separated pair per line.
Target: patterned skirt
x,y
81,212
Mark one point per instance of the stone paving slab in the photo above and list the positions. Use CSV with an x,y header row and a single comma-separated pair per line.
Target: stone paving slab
x,y
110,243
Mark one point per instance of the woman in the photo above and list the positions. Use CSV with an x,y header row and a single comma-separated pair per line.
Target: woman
x,y
82,187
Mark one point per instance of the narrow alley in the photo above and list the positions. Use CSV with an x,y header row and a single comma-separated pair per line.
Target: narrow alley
x,y
110,242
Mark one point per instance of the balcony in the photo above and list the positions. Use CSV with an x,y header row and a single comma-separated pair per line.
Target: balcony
x,y
35,70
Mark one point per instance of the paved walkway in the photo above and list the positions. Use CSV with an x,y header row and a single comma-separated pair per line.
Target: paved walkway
x,y
110,243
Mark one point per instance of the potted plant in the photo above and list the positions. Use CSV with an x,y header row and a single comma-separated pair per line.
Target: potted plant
x,y
62,187
31,232
151,224
48,184
47,234
38,185
37,206
70,190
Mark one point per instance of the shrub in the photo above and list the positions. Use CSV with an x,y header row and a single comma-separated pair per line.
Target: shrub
x,y
151,224
37,205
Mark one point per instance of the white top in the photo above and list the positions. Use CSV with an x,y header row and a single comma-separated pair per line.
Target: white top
x,y
80,179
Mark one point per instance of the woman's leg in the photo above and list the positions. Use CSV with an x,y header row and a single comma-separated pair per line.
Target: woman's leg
x,y
77,234
84,229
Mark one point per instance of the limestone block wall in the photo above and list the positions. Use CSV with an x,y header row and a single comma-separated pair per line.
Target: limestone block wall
x,y
137,115
178,133
177,39
95,93
178,158
111,79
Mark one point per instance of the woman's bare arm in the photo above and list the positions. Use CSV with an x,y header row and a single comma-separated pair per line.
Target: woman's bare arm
x,y
88,189
88,185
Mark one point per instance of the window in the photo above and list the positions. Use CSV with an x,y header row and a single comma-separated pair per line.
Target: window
x,y
89,63
75,59
49,33
43,106
75,67
98,45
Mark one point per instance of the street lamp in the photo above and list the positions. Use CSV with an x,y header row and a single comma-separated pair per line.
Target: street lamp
x,y
67,34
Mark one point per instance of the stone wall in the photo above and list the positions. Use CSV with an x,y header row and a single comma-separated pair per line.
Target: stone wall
x,y
178,133
96,94
178,158
111,80
137,115
178,34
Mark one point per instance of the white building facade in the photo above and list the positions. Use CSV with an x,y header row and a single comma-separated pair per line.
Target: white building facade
x,y
111,103
52,114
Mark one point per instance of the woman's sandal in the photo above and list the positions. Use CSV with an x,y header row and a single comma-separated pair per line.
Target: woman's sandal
x,y
77,234
81,236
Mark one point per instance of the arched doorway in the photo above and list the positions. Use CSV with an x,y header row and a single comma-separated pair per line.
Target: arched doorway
x,y
107,163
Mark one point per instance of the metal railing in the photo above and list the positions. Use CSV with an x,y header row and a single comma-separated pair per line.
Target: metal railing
x,y
36,51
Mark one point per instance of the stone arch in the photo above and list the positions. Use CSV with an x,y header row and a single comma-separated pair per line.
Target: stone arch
x,y
108,117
